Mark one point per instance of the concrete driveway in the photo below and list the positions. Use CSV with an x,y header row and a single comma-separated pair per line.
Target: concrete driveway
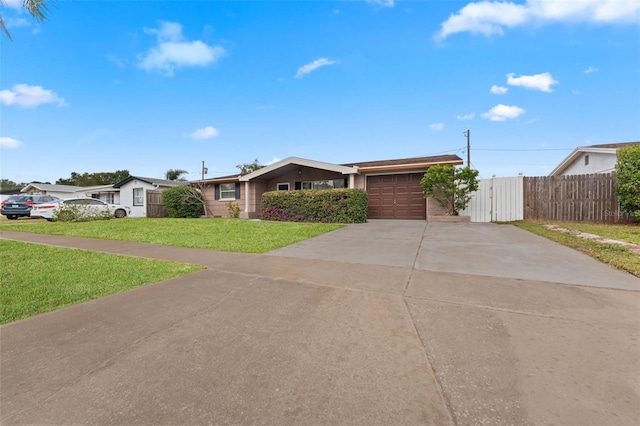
x,y
380,323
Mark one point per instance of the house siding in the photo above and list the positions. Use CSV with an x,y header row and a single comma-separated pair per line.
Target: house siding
x,y
598,163
218,208
126,197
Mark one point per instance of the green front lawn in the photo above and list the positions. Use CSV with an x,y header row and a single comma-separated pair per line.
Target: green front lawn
x,y
237,235
614,255
35,279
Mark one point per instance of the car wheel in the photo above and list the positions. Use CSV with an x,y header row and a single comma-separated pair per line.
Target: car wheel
x,y
120,213
12,217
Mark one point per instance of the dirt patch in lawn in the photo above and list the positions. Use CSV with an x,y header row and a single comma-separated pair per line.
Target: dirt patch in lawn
x,y
634,248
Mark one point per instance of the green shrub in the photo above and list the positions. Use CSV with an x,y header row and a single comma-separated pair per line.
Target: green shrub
x,y
628,180
233,209
327,206
79,213
183,202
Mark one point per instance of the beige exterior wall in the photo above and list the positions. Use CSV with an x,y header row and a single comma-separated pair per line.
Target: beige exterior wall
x,y
218,208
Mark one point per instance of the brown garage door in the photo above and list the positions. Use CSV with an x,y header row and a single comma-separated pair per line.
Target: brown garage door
x,y
396,197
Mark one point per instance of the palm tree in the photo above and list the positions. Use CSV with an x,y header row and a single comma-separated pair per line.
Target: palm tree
x,y
36,8
174,174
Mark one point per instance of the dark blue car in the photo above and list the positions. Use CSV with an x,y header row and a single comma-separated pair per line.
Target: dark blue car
x,y
20,205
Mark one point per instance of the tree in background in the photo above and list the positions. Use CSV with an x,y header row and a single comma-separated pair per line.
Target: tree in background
x,y
628,180
249,167
174,174
9,184
36,8
449,186
95,179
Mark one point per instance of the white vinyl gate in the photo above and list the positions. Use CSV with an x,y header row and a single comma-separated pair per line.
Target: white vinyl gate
x,y
497,200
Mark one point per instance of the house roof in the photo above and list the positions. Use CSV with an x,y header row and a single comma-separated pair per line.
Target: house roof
x,y
613,145
405,163
295,161
219,179
151,181
51,187
607,148
350,168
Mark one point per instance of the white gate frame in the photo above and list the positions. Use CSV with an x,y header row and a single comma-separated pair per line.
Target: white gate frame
x,y
497,200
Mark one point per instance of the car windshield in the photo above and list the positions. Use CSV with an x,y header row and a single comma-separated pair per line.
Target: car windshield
x,y
19,198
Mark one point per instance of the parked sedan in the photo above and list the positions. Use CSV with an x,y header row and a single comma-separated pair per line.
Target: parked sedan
x,y
21,205
88,207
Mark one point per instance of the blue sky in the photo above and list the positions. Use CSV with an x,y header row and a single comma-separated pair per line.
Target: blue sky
x,y
155,85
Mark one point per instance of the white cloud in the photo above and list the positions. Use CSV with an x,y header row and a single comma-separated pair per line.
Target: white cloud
x,y
499,90
591,70
14,4
502,112
575,92
492,17
173,51
541,82
436,127
273,161
383,3
27,96
9,143
466,116
207,132
16,22
306,69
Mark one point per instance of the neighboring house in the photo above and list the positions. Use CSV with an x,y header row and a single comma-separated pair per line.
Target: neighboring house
x,y
60,191
105,193
393,186
133,192
591,159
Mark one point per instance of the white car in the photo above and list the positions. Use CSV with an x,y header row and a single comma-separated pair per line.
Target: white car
x,y
83,206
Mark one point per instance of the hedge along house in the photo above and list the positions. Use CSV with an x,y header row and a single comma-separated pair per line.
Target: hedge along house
x,y
393,186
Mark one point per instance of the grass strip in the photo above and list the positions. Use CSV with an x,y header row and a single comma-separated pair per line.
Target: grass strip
x,y
35,279
234,235
626,233
614,255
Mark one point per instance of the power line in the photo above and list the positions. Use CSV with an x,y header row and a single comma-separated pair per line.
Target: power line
x,y
537,149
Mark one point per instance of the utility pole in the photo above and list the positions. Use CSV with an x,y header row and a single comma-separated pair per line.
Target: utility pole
x,y
204,170
468,135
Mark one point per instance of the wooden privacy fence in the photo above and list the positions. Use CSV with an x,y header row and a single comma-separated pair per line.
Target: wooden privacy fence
x,y
576,198
154,204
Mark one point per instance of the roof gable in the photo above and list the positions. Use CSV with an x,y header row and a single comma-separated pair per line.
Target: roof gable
x,y
150,181
611,148
345,170
51,187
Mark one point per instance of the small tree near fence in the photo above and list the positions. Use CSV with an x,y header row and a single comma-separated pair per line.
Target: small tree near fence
x,y
450,187
628,180
183,201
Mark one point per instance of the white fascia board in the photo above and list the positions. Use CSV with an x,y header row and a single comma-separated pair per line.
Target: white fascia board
x,y
345,170
575,154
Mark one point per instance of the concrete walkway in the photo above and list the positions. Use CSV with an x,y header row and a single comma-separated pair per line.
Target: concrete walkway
x,y
381,323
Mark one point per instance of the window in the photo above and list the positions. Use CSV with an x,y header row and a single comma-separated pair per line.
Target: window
x,y
323,184
227,191
282,186
586,160
138,196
